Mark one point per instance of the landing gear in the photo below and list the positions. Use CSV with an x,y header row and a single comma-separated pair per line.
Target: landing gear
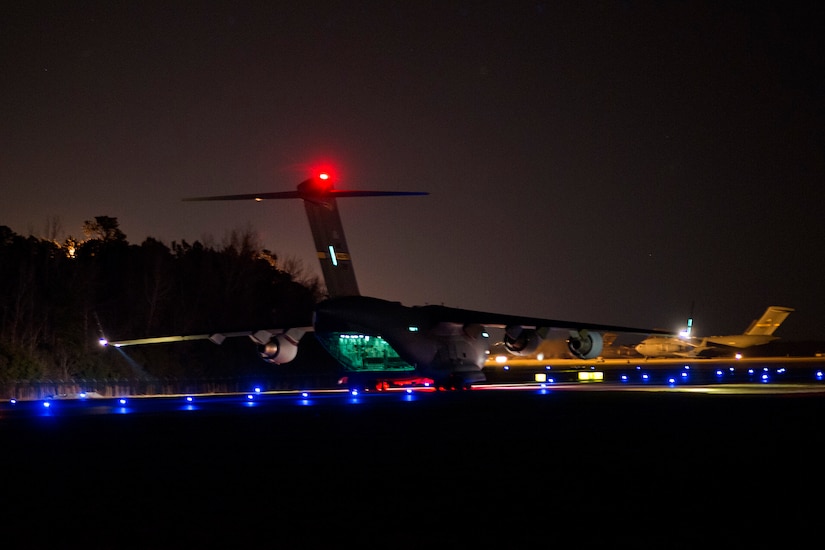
x,y
453,383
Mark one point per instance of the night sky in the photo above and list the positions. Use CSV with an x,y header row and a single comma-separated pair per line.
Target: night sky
x,y
609,162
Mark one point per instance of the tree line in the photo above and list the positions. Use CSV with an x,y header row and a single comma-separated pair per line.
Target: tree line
x,y
57,299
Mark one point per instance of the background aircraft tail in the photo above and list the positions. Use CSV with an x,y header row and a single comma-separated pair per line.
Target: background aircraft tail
x,y
769,322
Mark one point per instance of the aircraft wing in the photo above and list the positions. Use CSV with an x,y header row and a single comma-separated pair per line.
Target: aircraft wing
x,y
259,337
498,320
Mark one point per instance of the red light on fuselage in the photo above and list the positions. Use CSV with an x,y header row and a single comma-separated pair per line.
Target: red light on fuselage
x,y
323,176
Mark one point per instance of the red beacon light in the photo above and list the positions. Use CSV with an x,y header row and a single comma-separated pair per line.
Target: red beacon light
x,y
323,181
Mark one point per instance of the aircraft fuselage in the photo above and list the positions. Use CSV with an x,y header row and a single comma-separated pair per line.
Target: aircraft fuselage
x,y
378,339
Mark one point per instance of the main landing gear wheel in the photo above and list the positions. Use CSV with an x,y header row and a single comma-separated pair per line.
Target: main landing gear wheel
x,y
453,383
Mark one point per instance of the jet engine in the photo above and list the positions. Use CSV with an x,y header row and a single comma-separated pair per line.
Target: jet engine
x,y
277,348
521,341
584,344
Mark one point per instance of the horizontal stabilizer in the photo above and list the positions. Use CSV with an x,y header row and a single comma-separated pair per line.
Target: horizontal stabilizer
x,y
329,194
318,195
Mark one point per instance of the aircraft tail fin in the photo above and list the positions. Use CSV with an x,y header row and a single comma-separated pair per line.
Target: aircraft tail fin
x,y
319,198
331,247
769,322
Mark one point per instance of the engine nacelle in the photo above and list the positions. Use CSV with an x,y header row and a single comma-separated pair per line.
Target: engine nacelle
x,y
521,341
584,344
280,349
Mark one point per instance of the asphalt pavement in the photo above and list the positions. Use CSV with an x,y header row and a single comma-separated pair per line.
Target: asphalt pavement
x,y
508,467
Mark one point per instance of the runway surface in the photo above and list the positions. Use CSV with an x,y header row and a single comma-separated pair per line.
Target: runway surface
x,y
576,464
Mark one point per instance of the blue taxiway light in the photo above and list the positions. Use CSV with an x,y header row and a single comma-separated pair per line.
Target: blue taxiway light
x,y
257,389
624,378
189,398
819,375
121,401
47,404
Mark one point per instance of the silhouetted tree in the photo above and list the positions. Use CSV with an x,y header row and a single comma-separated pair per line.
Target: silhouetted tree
x,y
57,299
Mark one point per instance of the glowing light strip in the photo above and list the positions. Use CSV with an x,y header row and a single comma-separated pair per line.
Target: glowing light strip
x,y
332,256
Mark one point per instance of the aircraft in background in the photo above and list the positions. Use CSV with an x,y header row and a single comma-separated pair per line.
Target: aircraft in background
x,y
759,332
379,341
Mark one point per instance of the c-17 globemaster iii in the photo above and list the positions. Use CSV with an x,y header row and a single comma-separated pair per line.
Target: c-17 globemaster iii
x,y
759,332
379,341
